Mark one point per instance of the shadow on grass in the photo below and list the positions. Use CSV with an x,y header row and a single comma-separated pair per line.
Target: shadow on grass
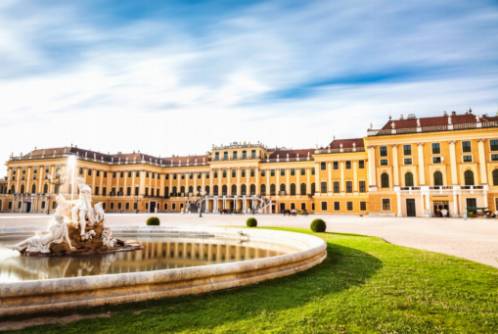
x,y
344,268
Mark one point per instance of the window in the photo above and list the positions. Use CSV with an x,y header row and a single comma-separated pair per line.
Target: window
x,y
468,178
293,189
324,206
383,151
408,179
323,187
335,165
436,148
216,189
438,178
386,204
383,162
303,171
263,173
466,146
350,206
336,186
313,188
45,188
253,154
495,177
493,144
436,160
234,173
361,164
348,164
362,186
244,154
467,158
408,161
363,206
234,189
282,172
273,189
407,149
272,172
384,180
217,156
349,186
262,189
252,172
225,155
303,188
33,189
323,166
224,173
234,155
128,191
282,189
293,172
224,190
252,189
337,206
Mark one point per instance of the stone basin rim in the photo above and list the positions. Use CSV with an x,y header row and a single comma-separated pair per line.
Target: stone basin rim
x,y
307,247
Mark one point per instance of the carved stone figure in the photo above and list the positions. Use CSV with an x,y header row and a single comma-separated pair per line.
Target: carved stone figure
x,y
76,228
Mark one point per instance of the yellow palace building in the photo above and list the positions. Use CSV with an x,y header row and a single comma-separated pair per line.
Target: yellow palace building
x,y
445,165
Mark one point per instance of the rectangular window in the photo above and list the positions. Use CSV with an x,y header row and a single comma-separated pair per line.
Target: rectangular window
x,y
324,206
494,157
263,173
282,172
253,154
104,191
272,172
349,186
337,206
252,172
436,160
225,155
97,190
361,164
383,162
493,144
323,187
436,148
386,204
407,149
234,155
303,171
408,161
466,146
335,165
217,156
383,151
467,158
336,186
136,191
234,173
348,164
362,187
363,206
293,172
350,206
323,166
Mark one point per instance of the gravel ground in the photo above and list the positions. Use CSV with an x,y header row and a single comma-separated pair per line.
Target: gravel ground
x,y
473,239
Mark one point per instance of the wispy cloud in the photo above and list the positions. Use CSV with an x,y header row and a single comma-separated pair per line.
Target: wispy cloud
x,y
176,76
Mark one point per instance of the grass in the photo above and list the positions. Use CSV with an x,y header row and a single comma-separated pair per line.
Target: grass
x,y
365,286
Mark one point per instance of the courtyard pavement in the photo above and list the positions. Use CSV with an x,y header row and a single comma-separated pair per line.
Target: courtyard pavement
x,y
473,239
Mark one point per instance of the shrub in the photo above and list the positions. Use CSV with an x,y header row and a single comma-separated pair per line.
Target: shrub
x,y
251,222
153,221
318,225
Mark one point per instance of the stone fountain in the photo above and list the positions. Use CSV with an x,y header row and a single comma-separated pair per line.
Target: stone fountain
x,y
76,228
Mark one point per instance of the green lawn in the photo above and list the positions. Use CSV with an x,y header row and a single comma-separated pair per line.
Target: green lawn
x,y
365,286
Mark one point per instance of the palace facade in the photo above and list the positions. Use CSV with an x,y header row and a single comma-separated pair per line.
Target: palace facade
x,y
428,166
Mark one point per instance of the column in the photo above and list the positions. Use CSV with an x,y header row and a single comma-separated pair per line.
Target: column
x,y
329,177
238,180
258,187
343,182
421,165
141,190
317,178
195,183
277,183
308,181
482,162
298,181
398,202
287,181
229,182
267,182
453,164
372,175
355,176
211,181
395,165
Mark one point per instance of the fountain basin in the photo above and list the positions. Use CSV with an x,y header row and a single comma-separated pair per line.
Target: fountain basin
x,y
292,253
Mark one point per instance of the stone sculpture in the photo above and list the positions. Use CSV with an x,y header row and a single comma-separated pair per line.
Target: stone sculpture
x,y
77,227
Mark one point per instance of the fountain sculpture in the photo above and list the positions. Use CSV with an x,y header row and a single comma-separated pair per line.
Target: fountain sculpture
x,y
77,227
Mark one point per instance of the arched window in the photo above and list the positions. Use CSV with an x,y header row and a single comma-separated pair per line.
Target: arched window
x,y
263,189
243,190
12,190
234,190
293,189
273,189
33,189
215,190
22,188
495,177
408,179
174,191
468,178
224,190
303,188
190,189
182,189
282,189
438,178
313,187
45,188
384,180
253,189
207,190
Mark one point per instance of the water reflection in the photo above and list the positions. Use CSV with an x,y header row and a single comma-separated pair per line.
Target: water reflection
x,y
155,255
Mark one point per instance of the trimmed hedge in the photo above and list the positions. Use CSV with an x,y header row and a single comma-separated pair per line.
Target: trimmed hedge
x,y
318,225
153,221
251,222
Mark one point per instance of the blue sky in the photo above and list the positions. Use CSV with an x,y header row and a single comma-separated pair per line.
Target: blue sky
x,y
174,77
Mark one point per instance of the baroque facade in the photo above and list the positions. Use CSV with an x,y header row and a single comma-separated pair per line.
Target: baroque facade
x,y
428,166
